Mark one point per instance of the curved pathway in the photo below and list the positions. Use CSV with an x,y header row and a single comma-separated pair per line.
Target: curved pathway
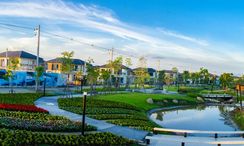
x,y
50,104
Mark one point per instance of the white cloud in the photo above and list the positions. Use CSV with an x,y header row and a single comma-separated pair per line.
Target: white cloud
x,y
100,26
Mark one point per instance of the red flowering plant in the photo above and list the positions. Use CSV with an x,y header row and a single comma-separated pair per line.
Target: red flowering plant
x,y
21,107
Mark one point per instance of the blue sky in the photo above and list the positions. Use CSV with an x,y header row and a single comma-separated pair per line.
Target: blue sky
x,y
188,34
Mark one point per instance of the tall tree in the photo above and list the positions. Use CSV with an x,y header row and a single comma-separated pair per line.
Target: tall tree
x,y
67,66
11,68
226,80
213,81
39,72
117,67
161,77
185,76
104,75
168,79
92,75
128,63
204,75
176,77
80,78
141,73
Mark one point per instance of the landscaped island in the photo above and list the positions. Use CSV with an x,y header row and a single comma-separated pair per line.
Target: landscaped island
x,y
128,109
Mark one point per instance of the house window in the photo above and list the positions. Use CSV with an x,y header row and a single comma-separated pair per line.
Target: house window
x,y
56,66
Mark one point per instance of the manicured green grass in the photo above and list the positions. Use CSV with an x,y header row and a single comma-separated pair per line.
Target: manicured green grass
x,y
19,98
139,100
171,88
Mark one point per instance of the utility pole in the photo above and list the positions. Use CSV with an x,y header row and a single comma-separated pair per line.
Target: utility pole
x,y
38,29
112,54
38,44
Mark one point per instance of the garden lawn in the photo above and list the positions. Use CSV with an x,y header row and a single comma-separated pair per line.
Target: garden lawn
x,y
171,88
139,100
129,109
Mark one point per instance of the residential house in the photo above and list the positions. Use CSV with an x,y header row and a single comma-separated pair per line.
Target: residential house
x,y
125,75
55,66
27,61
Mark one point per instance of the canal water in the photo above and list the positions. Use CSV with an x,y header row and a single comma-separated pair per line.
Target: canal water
x,y
207,118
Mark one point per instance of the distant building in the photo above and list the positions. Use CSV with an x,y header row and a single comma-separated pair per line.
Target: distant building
x,y
172,73
124,74
27,61
55,66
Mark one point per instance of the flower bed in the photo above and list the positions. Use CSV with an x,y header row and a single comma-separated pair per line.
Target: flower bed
x,y
20,137
30,115
19,107
39,122
38,125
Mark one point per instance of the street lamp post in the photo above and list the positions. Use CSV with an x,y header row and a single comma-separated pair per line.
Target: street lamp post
x,y
84,113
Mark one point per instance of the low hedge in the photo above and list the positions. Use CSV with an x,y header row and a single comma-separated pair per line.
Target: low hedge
x,y
184,90
27,138
20,98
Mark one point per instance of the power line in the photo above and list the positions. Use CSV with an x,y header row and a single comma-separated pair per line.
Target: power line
x,y
9,28
121,52
17,26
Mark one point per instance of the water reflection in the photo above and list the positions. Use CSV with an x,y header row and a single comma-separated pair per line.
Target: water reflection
x,y
211,118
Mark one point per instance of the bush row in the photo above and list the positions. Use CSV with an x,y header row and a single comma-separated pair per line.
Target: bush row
x,y
78,102
27,138
20,98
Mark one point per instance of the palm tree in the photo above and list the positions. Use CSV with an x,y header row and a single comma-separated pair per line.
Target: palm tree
x,y
226,79
67,66
11,68
92,75
39,71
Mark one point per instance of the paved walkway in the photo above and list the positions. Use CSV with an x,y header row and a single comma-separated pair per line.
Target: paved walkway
x,y
50,103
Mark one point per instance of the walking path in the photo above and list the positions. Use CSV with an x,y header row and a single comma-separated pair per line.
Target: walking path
x,y
50,104
172,140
